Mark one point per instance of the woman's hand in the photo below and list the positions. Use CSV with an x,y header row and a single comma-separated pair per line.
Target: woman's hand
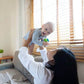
x,y
45,43
26,42
41,47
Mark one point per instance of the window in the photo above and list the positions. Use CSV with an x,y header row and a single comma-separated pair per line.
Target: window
x,y
68,17
77,19
37,13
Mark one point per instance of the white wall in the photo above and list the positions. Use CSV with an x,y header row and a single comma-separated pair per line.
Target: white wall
x,y
12,24
80,66
7,11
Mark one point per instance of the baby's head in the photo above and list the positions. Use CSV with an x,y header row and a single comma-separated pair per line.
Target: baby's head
x,y
47,28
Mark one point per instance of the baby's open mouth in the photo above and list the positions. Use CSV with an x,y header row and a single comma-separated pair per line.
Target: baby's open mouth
x,y
43,33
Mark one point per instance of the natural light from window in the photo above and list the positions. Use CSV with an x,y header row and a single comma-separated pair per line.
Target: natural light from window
x,y
77,17
47,10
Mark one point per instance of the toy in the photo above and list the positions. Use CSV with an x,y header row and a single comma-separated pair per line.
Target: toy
x,y
46,40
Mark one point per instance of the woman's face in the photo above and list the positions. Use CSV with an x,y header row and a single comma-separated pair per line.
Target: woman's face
x,y
51,53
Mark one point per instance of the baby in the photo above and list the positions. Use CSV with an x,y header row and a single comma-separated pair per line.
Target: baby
x,y
39,34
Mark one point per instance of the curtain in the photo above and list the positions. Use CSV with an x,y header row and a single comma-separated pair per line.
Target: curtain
x,y
68,17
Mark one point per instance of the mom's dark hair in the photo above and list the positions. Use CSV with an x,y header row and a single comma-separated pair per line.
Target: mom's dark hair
x,y
65,68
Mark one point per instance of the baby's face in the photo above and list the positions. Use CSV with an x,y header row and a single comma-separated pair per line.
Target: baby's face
x,y
46,30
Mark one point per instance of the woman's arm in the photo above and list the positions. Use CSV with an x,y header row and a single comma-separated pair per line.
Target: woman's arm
x,y
35,68
43,53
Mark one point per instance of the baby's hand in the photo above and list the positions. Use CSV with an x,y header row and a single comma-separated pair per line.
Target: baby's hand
x,y
45,43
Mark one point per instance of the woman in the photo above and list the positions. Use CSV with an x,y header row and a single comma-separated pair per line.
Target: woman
x,y
59,66
64,67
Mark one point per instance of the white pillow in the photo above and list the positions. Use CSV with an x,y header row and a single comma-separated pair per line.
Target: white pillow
x,y
4,79
15,75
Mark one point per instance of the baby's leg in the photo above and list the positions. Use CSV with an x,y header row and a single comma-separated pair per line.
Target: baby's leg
x,y
30,49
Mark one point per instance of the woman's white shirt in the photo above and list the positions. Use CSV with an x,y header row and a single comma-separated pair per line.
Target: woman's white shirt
x,y
41,74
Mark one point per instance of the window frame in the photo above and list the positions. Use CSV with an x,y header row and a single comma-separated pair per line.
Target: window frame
x,y
54,44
